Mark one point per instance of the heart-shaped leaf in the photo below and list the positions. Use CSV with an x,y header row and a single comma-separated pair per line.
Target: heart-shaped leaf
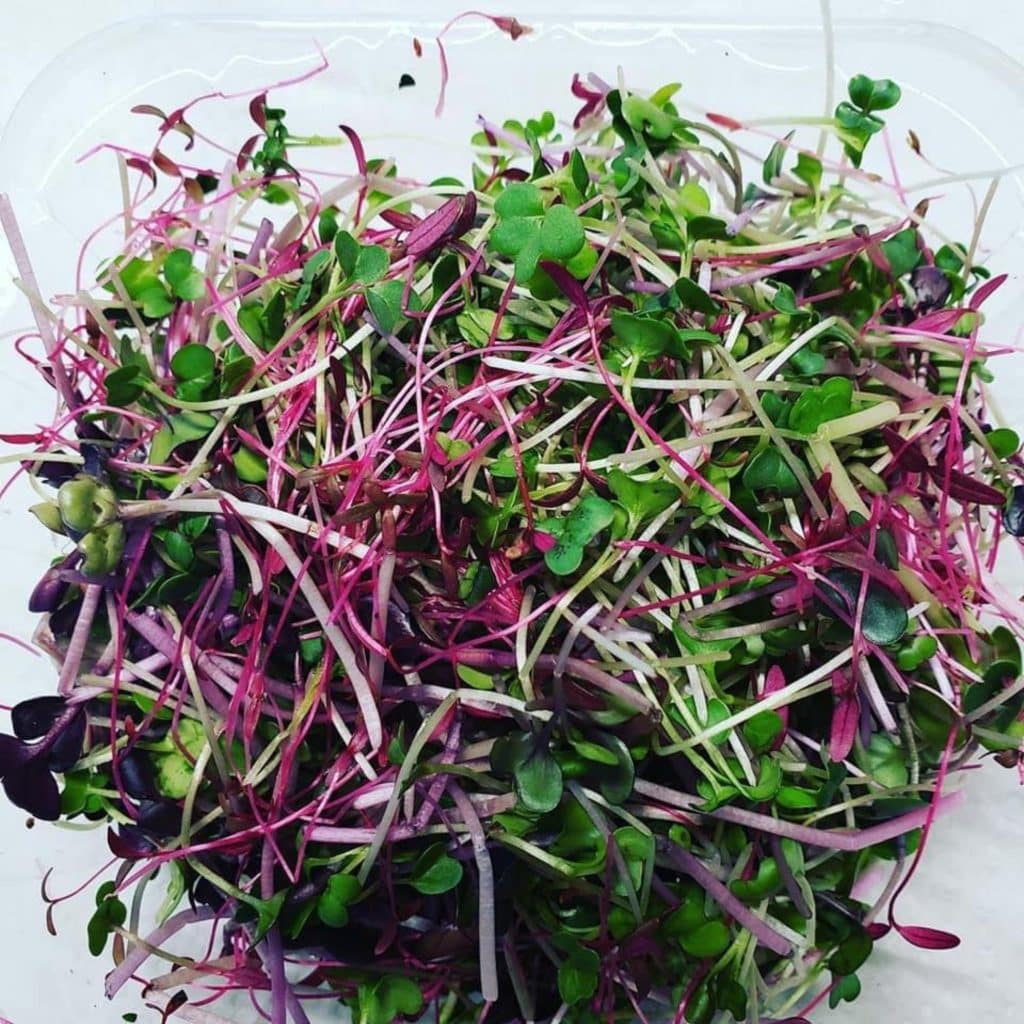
x,y
35,717
709,940
769,471
519,199
435,872
873,93
539,781
561,233
884,620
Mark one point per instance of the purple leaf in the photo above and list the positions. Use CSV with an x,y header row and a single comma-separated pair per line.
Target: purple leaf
x,y
569,286
34,718
844,727
34,789
942,321
986,290
48,592
66,748
433,230
905,453
13,754
927,938
966,489
129,843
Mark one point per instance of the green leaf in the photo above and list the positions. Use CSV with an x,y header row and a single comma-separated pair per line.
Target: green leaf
x,y
539,781
643,500
250,319
385,302
589,518
885,762
829,401
616,781
762,885
808,170
846,989
852,953
808,362
772,166
371,264
709,940
921,648
519,199
475,678
855,129
873,93
179,550
763,730
315,264
642,115
435,872
393,996
578,975
561,233
565,557
768,471
193,362
333,903
694,298
184,282
784,300
644,335
327,225
267,912
123,386
156,303
139,276
1004,442
902,252
250,466
884,620
179,429
476,325
795,799
579,173
347,249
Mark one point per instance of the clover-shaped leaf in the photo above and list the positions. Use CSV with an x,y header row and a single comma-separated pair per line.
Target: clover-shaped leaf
x,y
333,903
646,335
828,401
184,281
873,93
528,233
884,619
435,872
769,471
583,524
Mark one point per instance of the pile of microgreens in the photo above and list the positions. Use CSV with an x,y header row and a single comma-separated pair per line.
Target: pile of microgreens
x,y
534,600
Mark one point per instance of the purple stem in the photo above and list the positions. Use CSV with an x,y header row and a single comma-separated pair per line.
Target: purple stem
x,y
764,933
79,639
849,841
19,251
227,577
485,912
263,233
439,784
788,878
140,953
273,954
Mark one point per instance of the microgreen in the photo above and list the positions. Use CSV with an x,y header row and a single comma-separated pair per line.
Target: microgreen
x,y
537,600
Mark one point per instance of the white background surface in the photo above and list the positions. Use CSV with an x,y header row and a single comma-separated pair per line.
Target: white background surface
x,y
970,881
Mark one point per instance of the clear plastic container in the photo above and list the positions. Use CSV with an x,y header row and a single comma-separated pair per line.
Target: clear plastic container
x,y
957,95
